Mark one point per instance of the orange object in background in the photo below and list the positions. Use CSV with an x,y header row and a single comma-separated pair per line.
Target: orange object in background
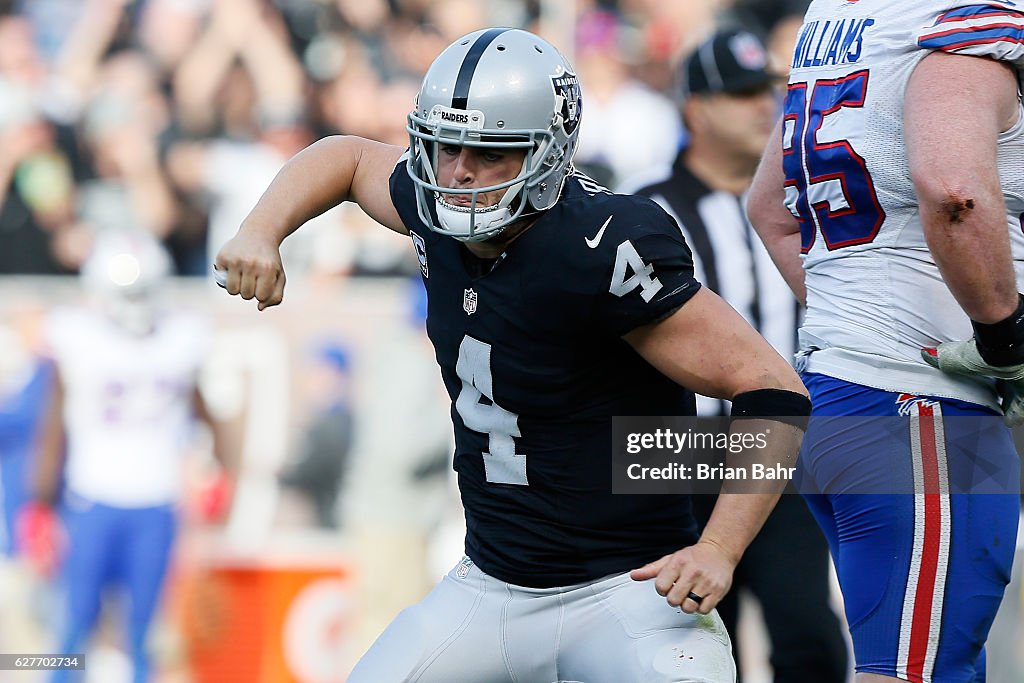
x,y
269,621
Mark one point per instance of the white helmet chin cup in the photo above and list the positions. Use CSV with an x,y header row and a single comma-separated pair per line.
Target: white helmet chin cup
x,y
476,224
502,89
471,225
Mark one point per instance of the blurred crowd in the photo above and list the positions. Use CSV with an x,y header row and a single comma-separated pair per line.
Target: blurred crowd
x,y
172,116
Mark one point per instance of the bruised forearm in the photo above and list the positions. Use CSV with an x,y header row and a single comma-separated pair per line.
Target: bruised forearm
x,y
955,173
968,236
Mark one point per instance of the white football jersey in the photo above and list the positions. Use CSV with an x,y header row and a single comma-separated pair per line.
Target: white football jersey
x,y
874,294
128,411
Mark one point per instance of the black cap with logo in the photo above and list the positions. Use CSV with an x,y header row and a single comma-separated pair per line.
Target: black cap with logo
x,y
730,61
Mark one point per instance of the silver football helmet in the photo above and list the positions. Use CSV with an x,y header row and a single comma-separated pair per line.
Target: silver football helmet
x,y
124,273
496,88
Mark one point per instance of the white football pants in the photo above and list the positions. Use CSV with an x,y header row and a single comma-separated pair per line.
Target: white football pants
x,y
473,628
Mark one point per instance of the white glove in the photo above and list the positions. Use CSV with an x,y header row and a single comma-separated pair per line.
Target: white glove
x,y
962,358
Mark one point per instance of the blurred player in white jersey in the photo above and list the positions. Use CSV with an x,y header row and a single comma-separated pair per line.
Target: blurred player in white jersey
x,y
897,177
123,413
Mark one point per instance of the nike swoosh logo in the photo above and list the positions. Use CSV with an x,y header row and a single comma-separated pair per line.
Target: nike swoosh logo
x,y
592,243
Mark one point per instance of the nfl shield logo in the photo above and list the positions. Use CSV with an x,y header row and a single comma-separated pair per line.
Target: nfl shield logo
x,y
469,301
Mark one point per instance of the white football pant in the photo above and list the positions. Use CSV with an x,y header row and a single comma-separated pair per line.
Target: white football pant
x,y
473,628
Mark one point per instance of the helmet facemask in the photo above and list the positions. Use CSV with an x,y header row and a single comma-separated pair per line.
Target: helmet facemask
x,y
473,223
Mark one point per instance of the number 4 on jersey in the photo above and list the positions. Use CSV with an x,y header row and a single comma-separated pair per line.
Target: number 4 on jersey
x,y
479,412
626,259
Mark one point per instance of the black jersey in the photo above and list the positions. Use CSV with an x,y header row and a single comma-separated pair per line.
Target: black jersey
x,y
531,353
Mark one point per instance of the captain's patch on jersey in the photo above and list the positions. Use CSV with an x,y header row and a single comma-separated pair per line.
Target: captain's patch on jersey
x,y
568,100
421,253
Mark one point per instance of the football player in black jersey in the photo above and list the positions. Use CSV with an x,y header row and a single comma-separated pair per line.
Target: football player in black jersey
x,y
554,305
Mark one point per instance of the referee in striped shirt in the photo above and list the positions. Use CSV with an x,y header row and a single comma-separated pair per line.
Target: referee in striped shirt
x,y
729,108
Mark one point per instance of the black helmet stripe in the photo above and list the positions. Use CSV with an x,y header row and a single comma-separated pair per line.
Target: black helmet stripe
x,y
461,93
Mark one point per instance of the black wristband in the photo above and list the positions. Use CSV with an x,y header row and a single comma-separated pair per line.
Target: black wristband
x,y
773,404
1002,343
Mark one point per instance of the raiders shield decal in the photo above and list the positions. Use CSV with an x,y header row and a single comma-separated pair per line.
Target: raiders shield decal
x,y
568,101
